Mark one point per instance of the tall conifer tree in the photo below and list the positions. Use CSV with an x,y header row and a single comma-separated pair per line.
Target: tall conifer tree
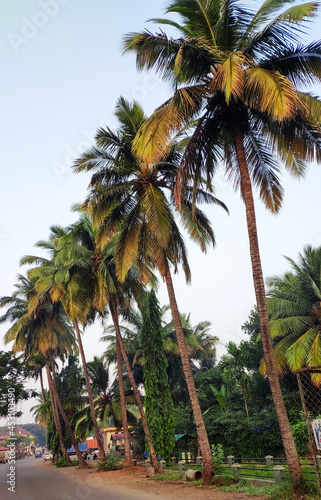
x,y
158,400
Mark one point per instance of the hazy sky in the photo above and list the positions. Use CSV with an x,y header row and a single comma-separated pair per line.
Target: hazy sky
x,y
62,72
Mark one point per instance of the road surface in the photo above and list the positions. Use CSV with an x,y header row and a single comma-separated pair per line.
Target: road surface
x,y
36,480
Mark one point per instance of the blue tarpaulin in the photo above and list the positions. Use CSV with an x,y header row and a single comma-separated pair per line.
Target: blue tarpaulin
x,y
81,446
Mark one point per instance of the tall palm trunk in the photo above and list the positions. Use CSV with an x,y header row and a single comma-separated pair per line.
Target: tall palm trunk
x,y
134,387
41,385
200,426
56,417
89,392
128,457
51,380
271,369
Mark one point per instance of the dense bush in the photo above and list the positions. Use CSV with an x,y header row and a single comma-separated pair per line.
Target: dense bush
x,y
240,436
113,462
62,462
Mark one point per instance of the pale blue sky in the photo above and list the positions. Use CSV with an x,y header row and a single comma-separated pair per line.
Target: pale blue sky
x,y
61,76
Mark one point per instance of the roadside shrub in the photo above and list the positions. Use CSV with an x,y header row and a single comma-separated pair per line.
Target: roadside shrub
x,y
62,462
217,458
113,462
301,437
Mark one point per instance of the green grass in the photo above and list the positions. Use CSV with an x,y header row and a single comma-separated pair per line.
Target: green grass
x,y
62,462
285,491
170,476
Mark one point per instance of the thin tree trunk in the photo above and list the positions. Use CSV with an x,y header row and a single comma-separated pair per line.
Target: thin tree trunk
x,y
128,457
89,391
56,417
271,369
82,461
200,426
41,385
245,402
136,393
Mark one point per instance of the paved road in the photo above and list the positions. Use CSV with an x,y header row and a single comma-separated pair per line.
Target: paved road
x,y
35,480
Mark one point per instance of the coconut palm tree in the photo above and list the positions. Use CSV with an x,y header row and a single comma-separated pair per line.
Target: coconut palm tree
x,y
134,201
240,74
235,374
106,399
93,267
294,305
34,370
200,343
45,332
41,410
52,277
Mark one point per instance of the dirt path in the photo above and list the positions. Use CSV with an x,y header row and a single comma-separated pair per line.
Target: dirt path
x,y
134,482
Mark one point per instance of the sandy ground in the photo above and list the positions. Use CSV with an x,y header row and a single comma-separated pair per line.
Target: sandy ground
x,y
134,481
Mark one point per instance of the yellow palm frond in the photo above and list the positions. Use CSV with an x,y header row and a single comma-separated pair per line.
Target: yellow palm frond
x,y
298,13
230,77
270,92
158,214
153,141
311,107
57,292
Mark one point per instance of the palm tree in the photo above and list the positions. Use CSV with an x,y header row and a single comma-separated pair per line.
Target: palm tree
x,y
53,278
295,312
238,72
41,410
82,276
34,369
45,332
94,264
235,374
107,399
200,343
134,201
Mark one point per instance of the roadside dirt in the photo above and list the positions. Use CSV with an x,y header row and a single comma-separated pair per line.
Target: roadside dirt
x,y
135,481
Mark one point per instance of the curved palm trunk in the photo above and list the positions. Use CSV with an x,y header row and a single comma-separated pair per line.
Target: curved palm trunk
x,y
89,391
200,426
82,461
135,390
285,430
128,457
56,417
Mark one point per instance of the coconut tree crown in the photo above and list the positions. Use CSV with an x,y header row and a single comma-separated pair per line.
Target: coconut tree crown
x,y
294,305
230,65
133,201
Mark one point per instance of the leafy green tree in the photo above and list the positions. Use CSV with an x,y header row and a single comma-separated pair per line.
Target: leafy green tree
x,y
158,400
11,377
240,74
52,435
134,200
